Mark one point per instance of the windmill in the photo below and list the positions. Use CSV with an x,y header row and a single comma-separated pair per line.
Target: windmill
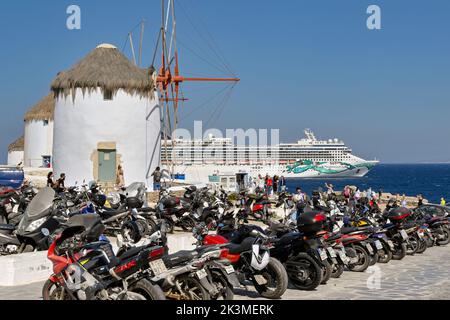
x,y
169,78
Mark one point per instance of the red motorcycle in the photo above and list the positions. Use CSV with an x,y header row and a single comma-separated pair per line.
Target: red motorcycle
x,y
85,270
251,260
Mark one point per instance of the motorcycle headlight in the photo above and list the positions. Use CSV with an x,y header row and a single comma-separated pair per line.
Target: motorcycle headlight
x,y
35,224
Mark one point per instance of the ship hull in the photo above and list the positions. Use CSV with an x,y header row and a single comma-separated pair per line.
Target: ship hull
x,y
201,174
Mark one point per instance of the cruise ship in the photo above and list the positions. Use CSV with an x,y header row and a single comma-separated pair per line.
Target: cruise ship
x,y
198,161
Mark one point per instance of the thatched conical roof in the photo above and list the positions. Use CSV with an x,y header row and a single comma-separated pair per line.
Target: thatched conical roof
x,y
43,110
105,68
17,145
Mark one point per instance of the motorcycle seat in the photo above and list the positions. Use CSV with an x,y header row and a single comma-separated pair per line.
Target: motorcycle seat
x,y
334,237
278,227
355,230
180,257
109,213
131,252
7,227
245,245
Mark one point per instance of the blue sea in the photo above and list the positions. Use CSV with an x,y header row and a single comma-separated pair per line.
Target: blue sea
x,y
431,180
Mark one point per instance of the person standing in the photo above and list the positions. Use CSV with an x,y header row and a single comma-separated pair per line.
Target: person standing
x,y
330,189
157,179
275,184
120,179
269,186
282,184
59,186
443,202
419,200
50,181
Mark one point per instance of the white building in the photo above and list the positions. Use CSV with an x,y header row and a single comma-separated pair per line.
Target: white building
x,y
15,152
107,114
39,133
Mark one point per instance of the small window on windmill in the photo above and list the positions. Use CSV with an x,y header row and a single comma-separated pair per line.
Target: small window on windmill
x,y
45,123
107,95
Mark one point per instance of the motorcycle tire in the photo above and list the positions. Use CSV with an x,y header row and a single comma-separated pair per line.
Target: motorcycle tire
x,y
276,272
337,270
374,259
399,251
187,224
170,227
304,272
48,295
147,290
225,289
363,259
412,246
192,289
385,256
446,239
422,246
327,270
429,240
27,249
152,227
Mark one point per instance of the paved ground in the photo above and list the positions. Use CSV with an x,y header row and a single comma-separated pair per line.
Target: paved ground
x,y
425,276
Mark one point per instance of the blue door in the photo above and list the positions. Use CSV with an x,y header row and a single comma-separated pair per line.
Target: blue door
x,y
107,165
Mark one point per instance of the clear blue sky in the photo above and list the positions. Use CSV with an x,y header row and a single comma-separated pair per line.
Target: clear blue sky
x,y
303,64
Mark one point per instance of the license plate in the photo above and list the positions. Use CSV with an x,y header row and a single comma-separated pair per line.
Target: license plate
x,y
323,254
404,234
391,244
260,279
378,245
331,252
158,267
174,218
369,248
201,274
196,216
343,256
229,269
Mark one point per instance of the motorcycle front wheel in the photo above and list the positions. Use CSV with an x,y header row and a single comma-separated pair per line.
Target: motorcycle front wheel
x,y
363,260
385,255
224,288
327,270
191,289
54,291
277,280
304,272
337,270
422,246
445,237
149,291
399,251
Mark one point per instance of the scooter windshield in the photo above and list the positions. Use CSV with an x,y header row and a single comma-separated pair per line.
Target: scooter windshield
x,y
37,208
135,189
40,203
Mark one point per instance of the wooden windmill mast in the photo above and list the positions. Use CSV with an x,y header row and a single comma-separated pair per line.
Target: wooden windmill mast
x,y
169,78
